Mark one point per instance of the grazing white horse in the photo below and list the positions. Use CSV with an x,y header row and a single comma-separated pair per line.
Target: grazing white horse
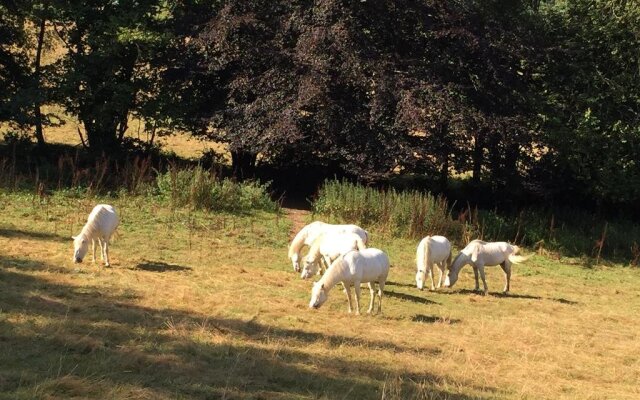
x,y
101,224
480,254
309,233
327,247
356,267
432,250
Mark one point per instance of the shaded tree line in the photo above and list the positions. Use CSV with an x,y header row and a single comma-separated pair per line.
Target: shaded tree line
x,y
531,97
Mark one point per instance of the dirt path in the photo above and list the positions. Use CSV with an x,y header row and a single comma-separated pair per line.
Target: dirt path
x,y
299,218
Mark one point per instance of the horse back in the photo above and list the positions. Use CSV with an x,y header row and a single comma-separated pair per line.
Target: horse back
x,y
369,264
104,219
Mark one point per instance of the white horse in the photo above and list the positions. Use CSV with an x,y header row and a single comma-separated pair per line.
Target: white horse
x,y
356,267
326,248
432,250
480,254
310,232
101,224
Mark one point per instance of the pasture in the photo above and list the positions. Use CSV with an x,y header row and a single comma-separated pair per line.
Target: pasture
x,y
201,305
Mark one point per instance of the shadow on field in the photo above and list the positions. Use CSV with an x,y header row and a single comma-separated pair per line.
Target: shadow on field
x,y
564,301
60,340
391,283
159,266
29,265
19,233
515,296
509,295
432,319
409,297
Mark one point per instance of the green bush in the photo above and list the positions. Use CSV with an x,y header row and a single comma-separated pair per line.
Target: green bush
x,y
201,189
409,214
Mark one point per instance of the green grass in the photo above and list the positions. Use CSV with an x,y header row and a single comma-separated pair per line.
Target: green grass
x,y
202,305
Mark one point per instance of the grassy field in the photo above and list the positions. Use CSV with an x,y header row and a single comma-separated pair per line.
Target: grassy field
x,y
204,306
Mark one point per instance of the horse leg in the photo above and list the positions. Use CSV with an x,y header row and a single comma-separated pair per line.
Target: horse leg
x,y
484,281
431,276
105,244
475,275
93,245
327,263
372,290
347,291
380,290
441,268
356,288
506,267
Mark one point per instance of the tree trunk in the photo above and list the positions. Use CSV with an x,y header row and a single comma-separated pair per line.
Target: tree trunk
x,y
243,164
444,169
478,153
37,100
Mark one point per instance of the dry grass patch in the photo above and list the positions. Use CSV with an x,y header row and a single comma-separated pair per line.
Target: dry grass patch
x,y
211,309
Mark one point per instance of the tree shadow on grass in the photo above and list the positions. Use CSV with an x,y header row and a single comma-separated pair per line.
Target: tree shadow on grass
x,y
29,265
67,341
19,233
409,297
159,266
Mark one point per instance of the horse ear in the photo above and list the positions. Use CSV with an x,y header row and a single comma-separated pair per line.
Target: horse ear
x,y
322,287
73,237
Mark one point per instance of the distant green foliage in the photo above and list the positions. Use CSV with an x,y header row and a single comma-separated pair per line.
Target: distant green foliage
x,y
201,189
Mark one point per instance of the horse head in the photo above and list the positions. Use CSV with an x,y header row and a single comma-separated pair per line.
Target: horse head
x,y
318,295
80,247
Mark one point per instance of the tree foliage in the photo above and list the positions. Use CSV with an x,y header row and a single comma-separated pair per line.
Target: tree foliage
x,y
533,97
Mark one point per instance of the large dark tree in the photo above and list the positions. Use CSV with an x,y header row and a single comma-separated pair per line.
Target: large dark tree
x,y
13,63
373,87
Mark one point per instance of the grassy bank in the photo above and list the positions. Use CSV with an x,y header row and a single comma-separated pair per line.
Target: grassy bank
x,y
412,214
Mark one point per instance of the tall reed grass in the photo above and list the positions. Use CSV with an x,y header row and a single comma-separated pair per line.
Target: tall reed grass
x,y
409,214
413,214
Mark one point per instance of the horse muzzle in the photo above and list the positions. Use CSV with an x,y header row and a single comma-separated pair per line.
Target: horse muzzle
x,y
77,260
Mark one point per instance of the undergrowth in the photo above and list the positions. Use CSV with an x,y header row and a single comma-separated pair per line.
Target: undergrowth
x,y
413,214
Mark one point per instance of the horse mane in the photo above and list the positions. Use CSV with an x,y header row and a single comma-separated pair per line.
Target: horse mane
x,y
93,224
332,276
298,242
453,263
360,244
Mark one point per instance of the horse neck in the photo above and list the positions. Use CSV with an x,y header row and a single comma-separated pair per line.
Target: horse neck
x,y
460,261
334,274
298,242
314,251
89,230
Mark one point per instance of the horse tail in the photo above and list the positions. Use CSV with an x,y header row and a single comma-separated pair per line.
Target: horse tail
x,y
425,260
518,259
